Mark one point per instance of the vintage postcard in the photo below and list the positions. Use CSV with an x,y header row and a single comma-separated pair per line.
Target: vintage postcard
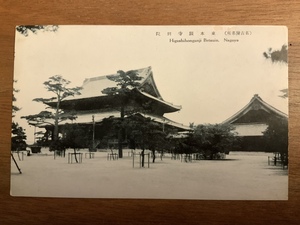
x,y
150,112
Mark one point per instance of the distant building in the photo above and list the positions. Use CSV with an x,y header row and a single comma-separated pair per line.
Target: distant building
x,y
251,121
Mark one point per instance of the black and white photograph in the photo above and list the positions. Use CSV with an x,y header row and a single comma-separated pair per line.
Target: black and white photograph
x,y
150,112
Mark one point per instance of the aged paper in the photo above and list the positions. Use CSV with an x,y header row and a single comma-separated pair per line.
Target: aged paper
x,y
192,81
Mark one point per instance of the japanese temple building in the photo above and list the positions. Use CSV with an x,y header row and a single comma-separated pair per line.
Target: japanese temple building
x,y
252,120
92,106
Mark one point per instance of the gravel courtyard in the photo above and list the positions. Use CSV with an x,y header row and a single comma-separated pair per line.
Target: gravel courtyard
x,y
241,176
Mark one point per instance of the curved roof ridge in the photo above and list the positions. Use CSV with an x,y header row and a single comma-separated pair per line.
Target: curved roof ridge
x,y
241,112
178,107
102,77
277,111
165,120
93,86
149,76
87,80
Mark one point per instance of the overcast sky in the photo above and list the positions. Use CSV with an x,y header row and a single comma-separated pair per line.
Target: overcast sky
x,y
210,80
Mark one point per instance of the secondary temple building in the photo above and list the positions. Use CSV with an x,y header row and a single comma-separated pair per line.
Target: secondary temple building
x,y
251,121
92,106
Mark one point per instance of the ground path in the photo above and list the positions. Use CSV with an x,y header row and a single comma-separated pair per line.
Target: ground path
x,y
240,176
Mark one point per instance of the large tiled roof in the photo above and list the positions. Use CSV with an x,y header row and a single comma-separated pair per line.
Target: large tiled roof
x,y
92,87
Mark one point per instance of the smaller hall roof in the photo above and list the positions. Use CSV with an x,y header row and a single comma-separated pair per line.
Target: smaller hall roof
x,y
255,103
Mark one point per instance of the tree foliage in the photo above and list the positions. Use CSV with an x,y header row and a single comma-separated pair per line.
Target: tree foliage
x,y
210,139
59,87
141,132
125,83
75,136
276,135
18,135
145,133
186,145
43,117
280,56
24,29
14,107
284,93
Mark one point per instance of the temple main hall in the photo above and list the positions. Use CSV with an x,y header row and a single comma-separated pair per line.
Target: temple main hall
x,y
92,106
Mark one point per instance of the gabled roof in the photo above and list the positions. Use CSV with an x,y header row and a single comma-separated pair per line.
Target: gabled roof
x,y
256,103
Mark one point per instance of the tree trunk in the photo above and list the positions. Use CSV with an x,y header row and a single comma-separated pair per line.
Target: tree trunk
x,y
56,120
120,133
154,157
120,140
112,154
143,156
75,156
